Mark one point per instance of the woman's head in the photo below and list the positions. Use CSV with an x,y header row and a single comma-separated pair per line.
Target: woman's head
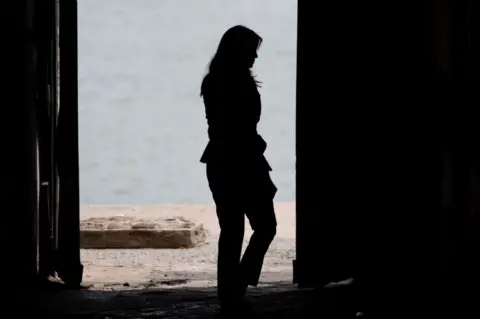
x,y
237,49
236,54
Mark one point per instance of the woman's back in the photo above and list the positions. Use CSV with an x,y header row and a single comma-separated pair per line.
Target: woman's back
x,y
232,106
233,109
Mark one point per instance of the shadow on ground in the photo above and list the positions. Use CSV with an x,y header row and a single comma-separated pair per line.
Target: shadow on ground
x,y
277,300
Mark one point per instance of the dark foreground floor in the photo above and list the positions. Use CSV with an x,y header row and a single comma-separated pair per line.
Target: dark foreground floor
x,y
280,300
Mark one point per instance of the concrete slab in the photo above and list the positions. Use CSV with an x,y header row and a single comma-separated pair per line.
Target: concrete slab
x,y
131,232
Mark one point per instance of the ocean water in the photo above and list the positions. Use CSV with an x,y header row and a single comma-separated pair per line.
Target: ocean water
x,y
141,120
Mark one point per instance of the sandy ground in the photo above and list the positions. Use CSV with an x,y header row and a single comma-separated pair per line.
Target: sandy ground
x,y
196,267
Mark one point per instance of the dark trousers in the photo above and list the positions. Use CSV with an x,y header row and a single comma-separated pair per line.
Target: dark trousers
x,y
237,194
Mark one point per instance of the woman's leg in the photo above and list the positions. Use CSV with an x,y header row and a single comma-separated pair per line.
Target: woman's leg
x,y
261,215
231,219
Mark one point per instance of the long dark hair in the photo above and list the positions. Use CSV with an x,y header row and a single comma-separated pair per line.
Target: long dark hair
x,y
235,42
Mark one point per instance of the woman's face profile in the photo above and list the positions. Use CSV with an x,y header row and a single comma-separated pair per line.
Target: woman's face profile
x,y
249,55
250,59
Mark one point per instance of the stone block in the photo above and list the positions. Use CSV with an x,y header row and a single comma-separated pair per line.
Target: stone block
x,y
130,232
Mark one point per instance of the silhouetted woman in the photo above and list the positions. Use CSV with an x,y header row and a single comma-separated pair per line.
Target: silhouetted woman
x,y
237,171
